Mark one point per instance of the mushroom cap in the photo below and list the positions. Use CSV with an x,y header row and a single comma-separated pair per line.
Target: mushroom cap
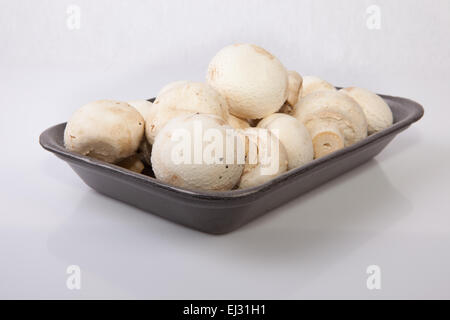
x,y
295,81
378,114
237,123
335,107
157,119
106,130
172,85
268,162
183,99
142,106
253,81
196,174
312,84
293,135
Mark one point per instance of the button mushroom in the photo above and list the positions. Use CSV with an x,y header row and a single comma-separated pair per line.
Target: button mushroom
x,y
378,114
184,99
199,152
106,130
266,157
253,81
172,85
312,84
333,119
142,106
295,81
293,135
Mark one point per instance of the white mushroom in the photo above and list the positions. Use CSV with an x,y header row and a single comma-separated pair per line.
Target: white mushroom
x,y
333,119
132,163
172,85
142,106
295,81
199,152
184,99
266,157
312,84
237,123
293,135
378,114
253,81
106,130
145,148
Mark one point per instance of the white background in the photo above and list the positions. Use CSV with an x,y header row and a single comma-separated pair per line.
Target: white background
x,y
393,211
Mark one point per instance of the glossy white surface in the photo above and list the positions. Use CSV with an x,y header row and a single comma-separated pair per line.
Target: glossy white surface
x,y
393,212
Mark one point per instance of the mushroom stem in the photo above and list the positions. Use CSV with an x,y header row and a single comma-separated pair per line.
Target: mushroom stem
x,y
286,109
326,137
132,163
295,81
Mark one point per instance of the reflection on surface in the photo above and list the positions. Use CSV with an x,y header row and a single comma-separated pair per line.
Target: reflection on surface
x,y
278,253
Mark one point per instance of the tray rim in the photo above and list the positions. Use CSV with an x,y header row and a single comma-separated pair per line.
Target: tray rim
x,y
416,114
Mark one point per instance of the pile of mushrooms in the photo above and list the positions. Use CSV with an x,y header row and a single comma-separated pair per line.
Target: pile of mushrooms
x,y
262,119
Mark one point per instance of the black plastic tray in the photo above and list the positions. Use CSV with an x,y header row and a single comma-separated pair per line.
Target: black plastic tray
x,y
223,212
